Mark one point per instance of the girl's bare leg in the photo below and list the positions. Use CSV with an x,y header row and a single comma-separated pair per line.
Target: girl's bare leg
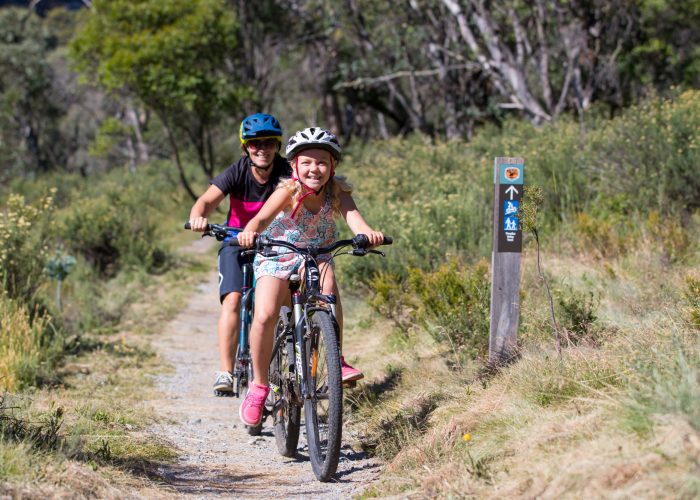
x,y
270,293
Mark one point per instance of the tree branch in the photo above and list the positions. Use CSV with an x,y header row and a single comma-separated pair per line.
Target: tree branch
x,y
371,81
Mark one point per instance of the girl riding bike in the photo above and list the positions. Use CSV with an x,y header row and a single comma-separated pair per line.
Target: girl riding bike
x,y
300,211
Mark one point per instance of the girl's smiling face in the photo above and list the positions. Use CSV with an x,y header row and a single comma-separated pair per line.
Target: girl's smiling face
x,y
314,167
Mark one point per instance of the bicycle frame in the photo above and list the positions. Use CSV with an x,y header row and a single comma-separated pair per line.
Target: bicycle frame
x,y
243,357
303,305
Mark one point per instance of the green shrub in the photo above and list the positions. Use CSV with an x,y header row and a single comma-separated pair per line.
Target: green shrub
x,y
601,236
692,297
119,227
451,303
577,316
668,235
25,238
650,154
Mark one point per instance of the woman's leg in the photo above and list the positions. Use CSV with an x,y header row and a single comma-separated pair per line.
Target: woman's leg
x,y
270,293
229,324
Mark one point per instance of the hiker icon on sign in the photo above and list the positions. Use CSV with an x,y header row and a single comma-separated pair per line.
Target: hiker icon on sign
x,y
510,224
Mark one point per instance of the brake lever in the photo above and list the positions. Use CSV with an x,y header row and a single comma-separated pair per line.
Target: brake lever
x,y
358,252
378,252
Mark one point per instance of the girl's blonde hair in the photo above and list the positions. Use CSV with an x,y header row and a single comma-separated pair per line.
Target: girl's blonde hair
x,y
337,184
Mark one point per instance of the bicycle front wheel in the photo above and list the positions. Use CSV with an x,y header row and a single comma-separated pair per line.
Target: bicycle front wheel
x,y
323,410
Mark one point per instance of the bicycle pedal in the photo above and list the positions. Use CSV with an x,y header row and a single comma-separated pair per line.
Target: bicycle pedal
x,y
349,384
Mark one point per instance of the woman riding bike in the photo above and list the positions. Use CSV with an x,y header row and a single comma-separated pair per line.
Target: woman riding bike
x,y
248,183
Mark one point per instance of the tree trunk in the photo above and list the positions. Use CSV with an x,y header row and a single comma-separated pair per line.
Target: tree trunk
x,y
176,157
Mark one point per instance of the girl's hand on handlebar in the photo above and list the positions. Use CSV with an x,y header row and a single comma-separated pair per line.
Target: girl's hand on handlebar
x,y
199,224
247,238
375,238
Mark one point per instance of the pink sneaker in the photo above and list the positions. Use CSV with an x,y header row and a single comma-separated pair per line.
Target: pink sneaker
x,y
349,373
251,411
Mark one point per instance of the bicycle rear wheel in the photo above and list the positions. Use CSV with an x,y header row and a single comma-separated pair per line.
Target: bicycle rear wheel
x,y
324,409
286,413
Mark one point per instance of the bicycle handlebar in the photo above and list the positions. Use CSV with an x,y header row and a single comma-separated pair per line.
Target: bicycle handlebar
x,y
220,232
359,242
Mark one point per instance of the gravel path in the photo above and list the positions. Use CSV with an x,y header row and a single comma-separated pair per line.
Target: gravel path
x,y
218,458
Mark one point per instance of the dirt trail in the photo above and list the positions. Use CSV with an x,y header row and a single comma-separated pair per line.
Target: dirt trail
x,y
218,458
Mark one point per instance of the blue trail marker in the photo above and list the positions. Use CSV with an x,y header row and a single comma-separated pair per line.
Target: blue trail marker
x,y
508,178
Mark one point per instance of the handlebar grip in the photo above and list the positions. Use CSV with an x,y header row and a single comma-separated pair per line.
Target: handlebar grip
x,y
362,241
189,226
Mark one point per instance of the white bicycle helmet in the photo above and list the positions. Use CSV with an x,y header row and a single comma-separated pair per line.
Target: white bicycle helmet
x,y
313,137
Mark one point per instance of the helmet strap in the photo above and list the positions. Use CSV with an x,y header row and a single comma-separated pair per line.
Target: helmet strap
x,y
307,191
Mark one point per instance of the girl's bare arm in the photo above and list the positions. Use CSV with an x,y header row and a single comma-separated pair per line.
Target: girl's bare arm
x,y
356,222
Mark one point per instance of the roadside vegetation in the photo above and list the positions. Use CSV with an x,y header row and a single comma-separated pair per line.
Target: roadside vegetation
x,y
618,412
75,361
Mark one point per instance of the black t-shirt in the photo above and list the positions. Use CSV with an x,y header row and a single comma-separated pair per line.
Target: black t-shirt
x,y
247,195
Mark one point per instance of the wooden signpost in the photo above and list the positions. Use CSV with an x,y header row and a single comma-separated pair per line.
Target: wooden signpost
x,y
505,262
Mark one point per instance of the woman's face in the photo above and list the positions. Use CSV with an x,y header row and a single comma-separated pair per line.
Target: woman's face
x,y
314,167
262,151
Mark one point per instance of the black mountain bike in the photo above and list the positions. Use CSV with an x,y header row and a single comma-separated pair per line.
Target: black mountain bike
x,y
305,366
242,365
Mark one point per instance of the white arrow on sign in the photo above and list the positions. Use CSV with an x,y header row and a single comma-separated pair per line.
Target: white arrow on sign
x,y
512,192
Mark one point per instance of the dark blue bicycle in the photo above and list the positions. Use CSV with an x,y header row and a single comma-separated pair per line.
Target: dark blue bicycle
x,y
243,364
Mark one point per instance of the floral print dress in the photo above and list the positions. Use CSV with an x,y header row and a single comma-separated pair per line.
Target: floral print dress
x,y
306,229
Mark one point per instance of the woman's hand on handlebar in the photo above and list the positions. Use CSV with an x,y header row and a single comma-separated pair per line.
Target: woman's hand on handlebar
x,y
199,224
247,238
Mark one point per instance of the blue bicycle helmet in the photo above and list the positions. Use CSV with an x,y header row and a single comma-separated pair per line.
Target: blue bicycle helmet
x,y
260,126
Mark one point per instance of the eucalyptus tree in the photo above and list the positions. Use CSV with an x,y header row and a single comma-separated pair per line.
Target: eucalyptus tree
x,y
29,111
177,58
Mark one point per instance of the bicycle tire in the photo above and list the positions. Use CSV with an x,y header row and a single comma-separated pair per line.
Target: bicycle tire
x,y
324,409
287,418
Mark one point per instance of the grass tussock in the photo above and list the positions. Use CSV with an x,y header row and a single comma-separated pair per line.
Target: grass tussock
x,y
27,345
